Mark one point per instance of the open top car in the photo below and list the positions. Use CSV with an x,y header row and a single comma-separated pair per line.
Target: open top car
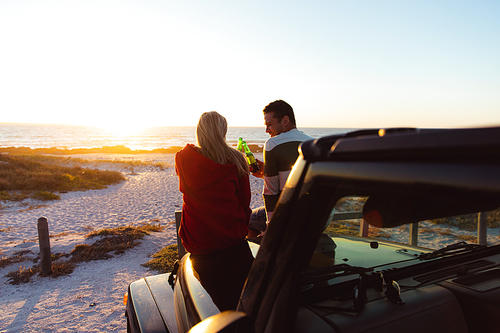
x,y
305,279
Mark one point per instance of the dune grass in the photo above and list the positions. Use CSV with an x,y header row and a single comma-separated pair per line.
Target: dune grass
x,y
116,240
163,261
345,227
469,221
76,161
110,242
118,149
38,177
15,258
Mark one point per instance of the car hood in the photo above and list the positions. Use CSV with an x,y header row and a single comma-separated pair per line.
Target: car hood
x,y
368,252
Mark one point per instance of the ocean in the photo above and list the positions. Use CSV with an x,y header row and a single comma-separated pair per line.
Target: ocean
x,y
73,136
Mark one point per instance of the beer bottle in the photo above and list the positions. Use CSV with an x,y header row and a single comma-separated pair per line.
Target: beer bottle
x,y
240,145
252,162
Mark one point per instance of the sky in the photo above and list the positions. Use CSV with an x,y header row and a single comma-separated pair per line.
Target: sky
x,y
132,64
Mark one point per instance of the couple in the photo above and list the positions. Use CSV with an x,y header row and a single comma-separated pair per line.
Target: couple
x,y
214,180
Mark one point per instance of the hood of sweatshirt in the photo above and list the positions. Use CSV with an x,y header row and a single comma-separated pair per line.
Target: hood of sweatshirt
x,y
198,171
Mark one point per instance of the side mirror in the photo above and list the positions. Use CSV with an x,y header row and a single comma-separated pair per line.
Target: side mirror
x,y
224,322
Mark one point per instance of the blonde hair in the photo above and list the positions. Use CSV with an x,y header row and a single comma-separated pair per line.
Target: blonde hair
x,y
211,138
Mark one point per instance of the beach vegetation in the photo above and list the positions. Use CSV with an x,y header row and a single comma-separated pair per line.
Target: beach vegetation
x,y
116,240
466,222
112,241
45,196
4,195
163,261
346,227
436,230
135,232
64,233
378,233
424,230
24,176
443,232
351,228
57,256
469,221
118,149
467,238
15,258
120,162
22,275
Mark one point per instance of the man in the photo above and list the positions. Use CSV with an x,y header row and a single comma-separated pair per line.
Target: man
x,y
280,154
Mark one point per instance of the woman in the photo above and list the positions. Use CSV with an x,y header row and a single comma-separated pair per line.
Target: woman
x,y
213,178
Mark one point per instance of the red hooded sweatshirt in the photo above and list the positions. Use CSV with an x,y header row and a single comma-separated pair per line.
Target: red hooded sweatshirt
x,y
216,202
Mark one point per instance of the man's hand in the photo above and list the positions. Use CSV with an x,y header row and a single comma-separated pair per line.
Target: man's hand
x,y
260,173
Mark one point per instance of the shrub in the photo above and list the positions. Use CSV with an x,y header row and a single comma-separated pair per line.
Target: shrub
x,y
67,177
4,196
16,258
467,238
31,173
469,221
45,196
62,268
4,185
115,240
132,232
163,261
378,233
343,228
23,275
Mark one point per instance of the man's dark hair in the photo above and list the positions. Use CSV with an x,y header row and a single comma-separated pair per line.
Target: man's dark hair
x,y
280,109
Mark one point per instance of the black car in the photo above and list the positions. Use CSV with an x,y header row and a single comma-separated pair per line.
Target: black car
x,y
305,279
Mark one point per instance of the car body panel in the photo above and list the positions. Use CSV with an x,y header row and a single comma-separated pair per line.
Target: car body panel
x,y
164,299
437,305
142,310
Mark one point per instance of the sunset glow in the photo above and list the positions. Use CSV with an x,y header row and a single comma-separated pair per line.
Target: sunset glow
x,y
129,65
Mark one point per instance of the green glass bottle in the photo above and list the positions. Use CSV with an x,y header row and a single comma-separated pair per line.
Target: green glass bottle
x,y
252,162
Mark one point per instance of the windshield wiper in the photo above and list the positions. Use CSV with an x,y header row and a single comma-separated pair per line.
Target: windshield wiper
x,y
449,250
333,271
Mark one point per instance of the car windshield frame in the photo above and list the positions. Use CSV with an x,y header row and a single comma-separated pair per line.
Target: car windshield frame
x,y
372,166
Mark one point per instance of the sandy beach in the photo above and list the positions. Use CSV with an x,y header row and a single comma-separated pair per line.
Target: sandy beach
x,y
91,298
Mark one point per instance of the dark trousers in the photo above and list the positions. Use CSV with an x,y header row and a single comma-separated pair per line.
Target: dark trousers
x,y
223,274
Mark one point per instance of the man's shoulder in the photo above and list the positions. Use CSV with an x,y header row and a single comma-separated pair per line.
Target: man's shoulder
x,y
293,135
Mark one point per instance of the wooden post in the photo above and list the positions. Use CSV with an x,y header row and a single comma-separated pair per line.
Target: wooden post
x,y
482,229
363,228
181,251
44,243
414,233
